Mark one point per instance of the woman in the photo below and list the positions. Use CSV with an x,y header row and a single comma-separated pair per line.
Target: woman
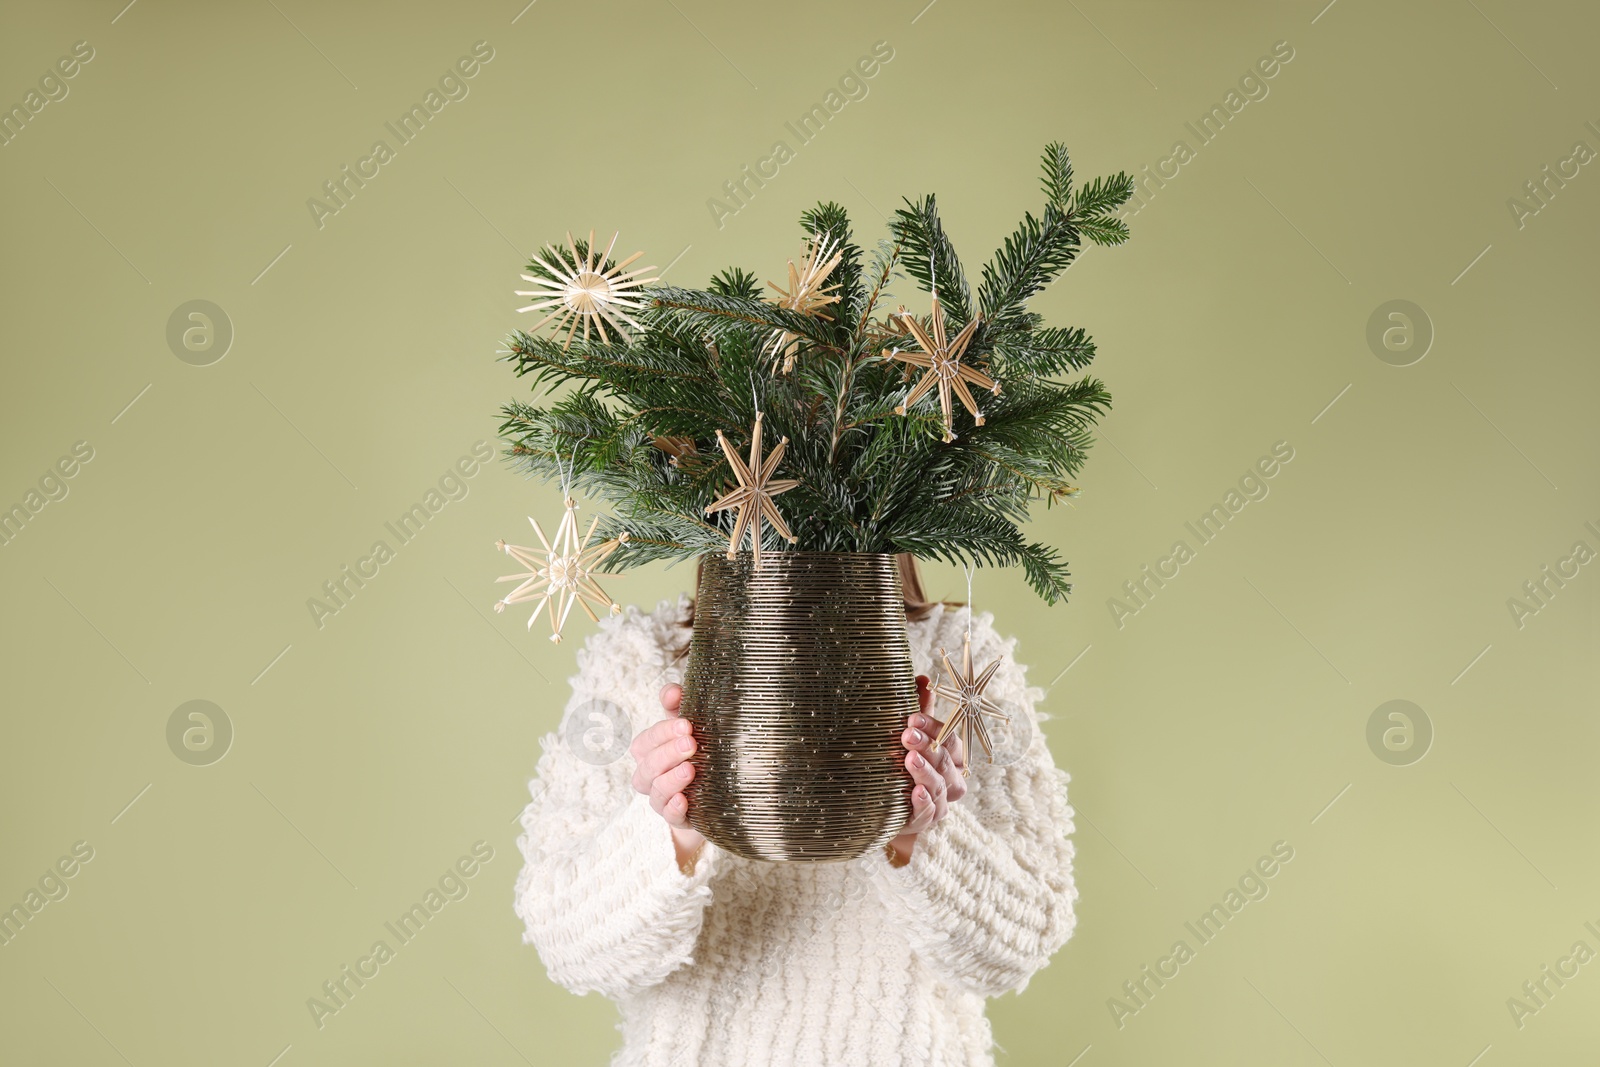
x,y
716,960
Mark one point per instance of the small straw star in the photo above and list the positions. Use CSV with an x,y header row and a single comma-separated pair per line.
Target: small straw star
x,y
565,574
754,493
941,357
971,705
581,288
806,294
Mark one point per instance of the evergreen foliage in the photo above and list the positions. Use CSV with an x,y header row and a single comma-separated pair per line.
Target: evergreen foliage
x,y
636,422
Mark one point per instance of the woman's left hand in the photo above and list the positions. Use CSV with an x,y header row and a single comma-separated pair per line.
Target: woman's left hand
x,y
936,774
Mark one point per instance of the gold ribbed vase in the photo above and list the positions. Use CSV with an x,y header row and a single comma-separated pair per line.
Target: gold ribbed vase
x,y
799,685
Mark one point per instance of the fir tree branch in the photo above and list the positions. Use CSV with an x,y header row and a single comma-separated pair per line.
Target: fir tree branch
x,y
1107,231
715,312
1030,259
930,258
1057,164
1102,196
1041,353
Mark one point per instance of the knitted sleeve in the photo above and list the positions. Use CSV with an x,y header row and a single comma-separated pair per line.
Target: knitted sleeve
x,y
600,892
987,897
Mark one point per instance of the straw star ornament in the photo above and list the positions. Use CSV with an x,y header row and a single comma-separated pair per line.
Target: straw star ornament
x,y
584,288
562,573
806,294
966,689
753,495
941,358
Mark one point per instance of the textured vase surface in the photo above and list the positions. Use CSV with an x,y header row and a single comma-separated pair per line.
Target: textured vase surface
x,y
799,684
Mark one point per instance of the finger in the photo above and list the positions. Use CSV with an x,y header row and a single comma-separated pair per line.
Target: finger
x,y
924,812
925,723
955,783
914,739
937,785
669,785
921,811
672,698
924,694
948,755
648,740
663,759
942,759
658,734
926,775
676,811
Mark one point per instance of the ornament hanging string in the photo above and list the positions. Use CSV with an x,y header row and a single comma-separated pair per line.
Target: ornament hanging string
x,y
565,477
968,569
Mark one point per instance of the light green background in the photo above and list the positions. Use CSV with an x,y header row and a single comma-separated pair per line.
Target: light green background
x,y
1228,714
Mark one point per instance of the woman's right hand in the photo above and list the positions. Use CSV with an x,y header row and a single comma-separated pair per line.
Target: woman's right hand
x,y
662,770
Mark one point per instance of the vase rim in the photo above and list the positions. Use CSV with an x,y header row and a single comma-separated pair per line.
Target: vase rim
x,y
766,555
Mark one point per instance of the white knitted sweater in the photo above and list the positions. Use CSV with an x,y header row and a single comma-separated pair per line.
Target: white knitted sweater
x,y
752,963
